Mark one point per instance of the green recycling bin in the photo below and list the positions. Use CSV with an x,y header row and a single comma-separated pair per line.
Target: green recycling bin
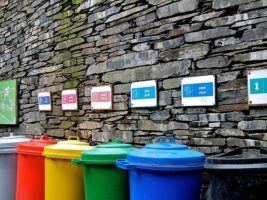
x,y
102,179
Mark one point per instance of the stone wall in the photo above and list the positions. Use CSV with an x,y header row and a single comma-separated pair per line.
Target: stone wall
x,y
58,44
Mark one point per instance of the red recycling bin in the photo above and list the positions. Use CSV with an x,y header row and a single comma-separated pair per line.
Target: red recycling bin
x,y
31,169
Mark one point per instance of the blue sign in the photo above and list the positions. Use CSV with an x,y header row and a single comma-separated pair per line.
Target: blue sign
x,y
197,90
144,93
258,86
45,100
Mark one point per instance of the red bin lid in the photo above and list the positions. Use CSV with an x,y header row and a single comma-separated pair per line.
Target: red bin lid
x,y
35,146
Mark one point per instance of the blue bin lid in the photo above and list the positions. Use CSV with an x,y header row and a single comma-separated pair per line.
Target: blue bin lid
x,y
166,155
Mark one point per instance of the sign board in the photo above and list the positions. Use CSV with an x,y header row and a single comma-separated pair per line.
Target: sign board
x,y
101,98
44,101
257,87
69,99
144,94
198,91
8,102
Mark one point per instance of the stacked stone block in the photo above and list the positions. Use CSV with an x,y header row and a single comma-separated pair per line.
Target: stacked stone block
x,y
61,44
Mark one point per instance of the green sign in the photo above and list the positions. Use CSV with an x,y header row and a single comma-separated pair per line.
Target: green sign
x,y
8,102
258,86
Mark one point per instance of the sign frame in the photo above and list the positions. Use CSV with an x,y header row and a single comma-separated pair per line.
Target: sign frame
x,y
200,82
47,107
144,102
260,96
73,106
14,87
98,105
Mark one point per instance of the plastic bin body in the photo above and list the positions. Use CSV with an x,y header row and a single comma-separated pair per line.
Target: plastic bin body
x,y
8,176
63,180
164,171
104,182
102,179
30,182
171,185
239,174
31,171
246,186
8,166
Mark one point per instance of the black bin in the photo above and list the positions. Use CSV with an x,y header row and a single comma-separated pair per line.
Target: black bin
x,y
238,175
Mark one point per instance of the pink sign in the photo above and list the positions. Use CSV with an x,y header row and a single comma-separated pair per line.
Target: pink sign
x,y
69,98
101,96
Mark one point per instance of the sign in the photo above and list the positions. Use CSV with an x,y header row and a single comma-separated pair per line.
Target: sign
x,y
69,100
101,98
144,94
198,91
44,101
8,102
257,87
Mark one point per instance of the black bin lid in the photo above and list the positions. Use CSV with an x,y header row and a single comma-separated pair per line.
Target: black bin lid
x,y
247,158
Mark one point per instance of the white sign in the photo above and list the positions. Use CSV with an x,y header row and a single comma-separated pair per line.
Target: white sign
x,y
257,87
44,101
198,91
101,98
69,100
144,94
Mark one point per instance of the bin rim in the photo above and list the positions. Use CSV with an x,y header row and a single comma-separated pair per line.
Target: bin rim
x,y
10,150
242,167
61,156
92,162
12,141
166,154
35,146
124,164
253,159
65,151
106,153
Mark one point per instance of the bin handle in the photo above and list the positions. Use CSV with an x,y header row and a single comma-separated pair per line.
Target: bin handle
x,y
123,164
76,161
116,140
167,139
73,137
44,137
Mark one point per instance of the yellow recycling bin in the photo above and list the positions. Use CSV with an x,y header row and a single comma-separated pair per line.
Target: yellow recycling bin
x,y
64,181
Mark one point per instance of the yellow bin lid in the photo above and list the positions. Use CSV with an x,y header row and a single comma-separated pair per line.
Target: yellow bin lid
x,y
70,149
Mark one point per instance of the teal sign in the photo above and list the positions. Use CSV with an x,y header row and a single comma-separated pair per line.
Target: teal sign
x,y
258,86
144,93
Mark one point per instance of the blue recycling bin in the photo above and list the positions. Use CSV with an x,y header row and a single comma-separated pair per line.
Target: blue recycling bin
x,y
164,170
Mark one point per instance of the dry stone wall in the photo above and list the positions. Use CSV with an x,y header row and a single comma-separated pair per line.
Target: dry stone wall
x,y
60,44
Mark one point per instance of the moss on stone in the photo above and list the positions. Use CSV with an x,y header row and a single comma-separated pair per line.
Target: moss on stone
x,y
71,84
64,15
79,17
73,69
59,58
69,63
66,124
75,2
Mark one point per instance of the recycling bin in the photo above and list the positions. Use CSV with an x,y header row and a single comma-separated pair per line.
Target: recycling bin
x,y
63,180
164,170
8,165
30,171
239,174
102,179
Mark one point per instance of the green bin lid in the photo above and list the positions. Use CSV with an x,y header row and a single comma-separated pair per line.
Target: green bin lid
x,y
107,153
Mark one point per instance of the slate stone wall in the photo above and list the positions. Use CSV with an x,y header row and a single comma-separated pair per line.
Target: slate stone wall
x,y
59,44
